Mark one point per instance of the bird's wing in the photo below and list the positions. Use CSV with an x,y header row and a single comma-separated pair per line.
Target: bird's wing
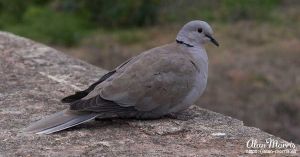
x,y
81,94
160,76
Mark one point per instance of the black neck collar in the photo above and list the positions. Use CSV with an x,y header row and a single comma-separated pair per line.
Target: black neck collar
x,y
186,44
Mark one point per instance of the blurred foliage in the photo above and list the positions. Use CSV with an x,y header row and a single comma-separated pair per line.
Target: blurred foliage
x,y
219,10
120,13
49,26
233,10
64,22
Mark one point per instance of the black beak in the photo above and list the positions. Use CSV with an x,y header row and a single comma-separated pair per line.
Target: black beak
x,y
213,40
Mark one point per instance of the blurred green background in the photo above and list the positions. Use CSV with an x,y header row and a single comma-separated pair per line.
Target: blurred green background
x,y
66,22
253,76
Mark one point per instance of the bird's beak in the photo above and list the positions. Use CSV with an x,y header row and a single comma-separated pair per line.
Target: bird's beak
x,y
213,40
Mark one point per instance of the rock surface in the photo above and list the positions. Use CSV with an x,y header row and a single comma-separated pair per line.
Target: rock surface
x,y
35,77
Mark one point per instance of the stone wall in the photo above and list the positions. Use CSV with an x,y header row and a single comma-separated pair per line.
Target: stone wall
x,y
33,79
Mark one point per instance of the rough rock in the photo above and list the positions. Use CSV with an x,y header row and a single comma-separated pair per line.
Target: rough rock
x,y
35,77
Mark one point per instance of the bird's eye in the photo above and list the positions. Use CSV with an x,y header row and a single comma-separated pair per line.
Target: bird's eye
x,y
199,30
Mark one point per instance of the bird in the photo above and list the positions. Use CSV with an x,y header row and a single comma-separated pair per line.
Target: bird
x,y
161,81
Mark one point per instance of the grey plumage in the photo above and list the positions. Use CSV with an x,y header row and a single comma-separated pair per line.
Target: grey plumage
x,y
59,121
160,81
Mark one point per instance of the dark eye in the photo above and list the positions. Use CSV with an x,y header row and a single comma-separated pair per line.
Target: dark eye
x,y
199,30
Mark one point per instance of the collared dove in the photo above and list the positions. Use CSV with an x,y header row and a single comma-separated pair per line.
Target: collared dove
x,y
161,81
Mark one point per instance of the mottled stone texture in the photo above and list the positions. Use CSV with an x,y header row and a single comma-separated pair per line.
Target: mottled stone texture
x,y
34,77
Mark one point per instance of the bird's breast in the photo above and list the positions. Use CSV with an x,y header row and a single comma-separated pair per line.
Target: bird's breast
x,y
199,83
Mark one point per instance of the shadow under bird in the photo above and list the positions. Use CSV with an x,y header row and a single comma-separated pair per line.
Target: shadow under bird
x,y
158,82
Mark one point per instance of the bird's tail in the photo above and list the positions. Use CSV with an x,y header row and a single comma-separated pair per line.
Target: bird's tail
x,y
59,121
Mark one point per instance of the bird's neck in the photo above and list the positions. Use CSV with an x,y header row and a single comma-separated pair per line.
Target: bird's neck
x,y
198,53
184,43
195,48
189,42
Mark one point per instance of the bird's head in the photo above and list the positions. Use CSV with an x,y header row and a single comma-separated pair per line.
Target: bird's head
x,y
196,33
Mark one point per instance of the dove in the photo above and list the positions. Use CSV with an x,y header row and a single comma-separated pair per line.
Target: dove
x,y
158,82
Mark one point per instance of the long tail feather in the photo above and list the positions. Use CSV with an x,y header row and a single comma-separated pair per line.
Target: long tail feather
x,y
59,121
